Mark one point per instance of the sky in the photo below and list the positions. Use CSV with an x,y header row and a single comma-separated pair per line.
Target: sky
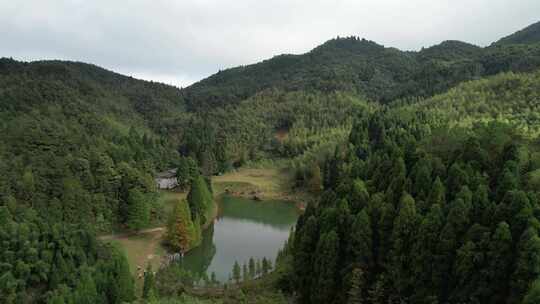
x,y
181,42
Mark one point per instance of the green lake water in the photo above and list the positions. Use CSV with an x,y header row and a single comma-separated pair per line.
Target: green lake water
x,y
244,228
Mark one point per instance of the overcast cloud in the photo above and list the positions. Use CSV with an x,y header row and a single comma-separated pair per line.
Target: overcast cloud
x,y
180,42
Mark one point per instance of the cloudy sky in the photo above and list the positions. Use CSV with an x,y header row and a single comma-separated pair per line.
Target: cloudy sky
x,y
180,42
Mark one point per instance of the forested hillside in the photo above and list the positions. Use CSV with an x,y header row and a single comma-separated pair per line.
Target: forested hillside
x,y
78,143
528,35
425,167
366,68
78,149
434,202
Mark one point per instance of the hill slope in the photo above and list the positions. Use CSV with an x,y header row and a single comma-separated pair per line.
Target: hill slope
x,y
366,68
76,139
528,35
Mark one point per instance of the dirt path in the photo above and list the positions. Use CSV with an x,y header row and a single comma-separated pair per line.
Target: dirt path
x,y
129,234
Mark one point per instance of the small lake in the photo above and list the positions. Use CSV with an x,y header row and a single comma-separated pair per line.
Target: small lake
x,y
243,229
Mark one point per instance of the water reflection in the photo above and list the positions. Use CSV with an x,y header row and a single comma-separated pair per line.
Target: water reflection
x,y
244,229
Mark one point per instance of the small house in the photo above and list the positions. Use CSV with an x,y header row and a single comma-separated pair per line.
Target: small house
x,y
167,179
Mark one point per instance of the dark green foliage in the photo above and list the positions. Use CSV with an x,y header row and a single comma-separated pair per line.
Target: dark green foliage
x,y
528,35
236,271
325,269
138,210
441,213
59,263
199,198
369,69
358,285
187,171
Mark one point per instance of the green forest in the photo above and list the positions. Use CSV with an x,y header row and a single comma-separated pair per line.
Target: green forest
x,y
424,168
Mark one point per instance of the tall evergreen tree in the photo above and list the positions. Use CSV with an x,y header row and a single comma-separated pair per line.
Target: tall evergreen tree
x,y
527,267
325,282
139,210
149,283
403,237
358,285
237,272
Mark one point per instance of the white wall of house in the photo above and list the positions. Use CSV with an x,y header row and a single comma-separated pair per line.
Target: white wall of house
x,y
167,183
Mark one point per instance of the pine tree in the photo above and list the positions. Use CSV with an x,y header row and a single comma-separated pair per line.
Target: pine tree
x,y
149,282
323,289
199,198
251,268
500,259
265,266
437,194
139,211
121,285
213,278
182,232
245,274
359,196
315,181
186,172
361,248
533,296
86,292
29,185
527,267
258,267
428,280
358,284
236,272
403,236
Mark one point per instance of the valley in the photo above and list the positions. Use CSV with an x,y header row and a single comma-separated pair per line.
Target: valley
x,y
268,217
352,173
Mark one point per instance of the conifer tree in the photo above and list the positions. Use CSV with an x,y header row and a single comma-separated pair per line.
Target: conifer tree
x,y
139,211
315,181
236,272
245,274
527,268
360,244
438,193
324,275
533,296
500,259
403,237
149,282
86,292
358,285
182,232
199,198
251,268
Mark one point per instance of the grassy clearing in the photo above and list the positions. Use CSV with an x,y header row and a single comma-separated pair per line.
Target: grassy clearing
x,y
142,248
267,183
272,183
168,198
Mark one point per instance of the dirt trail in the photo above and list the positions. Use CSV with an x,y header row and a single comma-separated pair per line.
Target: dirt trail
x,y
129,234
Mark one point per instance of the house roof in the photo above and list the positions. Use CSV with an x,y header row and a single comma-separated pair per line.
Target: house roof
x,y
167,174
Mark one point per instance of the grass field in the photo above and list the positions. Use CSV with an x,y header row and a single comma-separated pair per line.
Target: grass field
x,y
168,198
272,183
265,183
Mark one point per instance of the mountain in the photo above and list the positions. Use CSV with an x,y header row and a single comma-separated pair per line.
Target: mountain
x,y
528,35
77,129
366,68
430,169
